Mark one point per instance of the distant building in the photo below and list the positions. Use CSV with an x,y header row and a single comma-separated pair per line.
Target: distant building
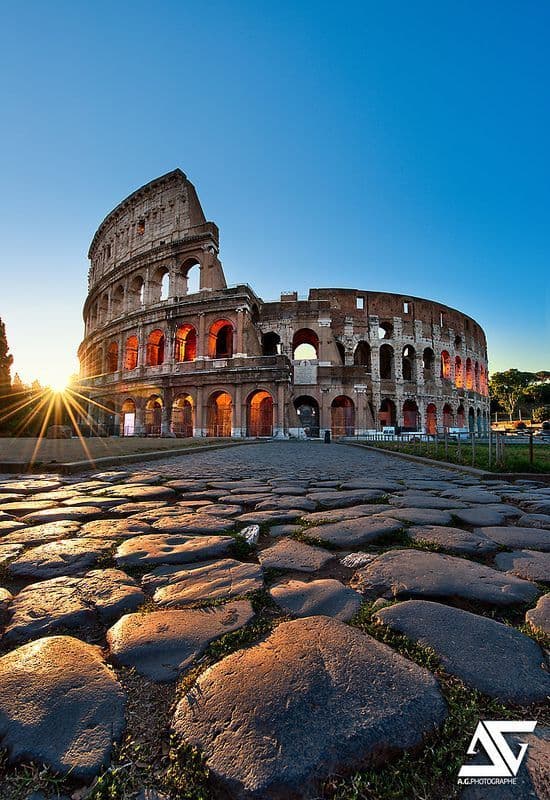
x,y
169,348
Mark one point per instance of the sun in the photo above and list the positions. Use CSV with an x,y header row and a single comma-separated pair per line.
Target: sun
x,y
58,385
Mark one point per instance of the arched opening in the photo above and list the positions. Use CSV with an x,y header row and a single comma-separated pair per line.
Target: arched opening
x,y
131,354
431,419
385,330
341,352
479,418
103,308
182,416
153,416
445,365
458,342
155,348
220,413
305,345
159,285
191,271
271,344
185,343
387,415
128,414
448,417
471,420
307,409
112,358
476,377
459,380
409,363
136,293
259,414
411,417
460,416
342,416
482,380
361,357
386,362
117,301
469,374
428,359
220,339
96,365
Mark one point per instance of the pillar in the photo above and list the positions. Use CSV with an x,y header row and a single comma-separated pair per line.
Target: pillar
x,y
240,328
236,429
201,337
279,429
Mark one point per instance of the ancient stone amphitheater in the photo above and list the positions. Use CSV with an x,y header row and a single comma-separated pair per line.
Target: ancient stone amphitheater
x,y
170,349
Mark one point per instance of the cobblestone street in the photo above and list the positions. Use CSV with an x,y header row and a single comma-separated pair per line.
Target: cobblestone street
x,y
279,620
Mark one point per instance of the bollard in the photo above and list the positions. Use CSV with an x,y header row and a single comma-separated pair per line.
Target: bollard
x,y
531,448
327,437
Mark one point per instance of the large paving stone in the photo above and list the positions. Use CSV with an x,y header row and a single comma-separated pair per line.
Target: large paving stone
x,y
269,517
470,646
338,514
345,498
285,503
420,516
384,485
212,580
411,573
535,521
511,536
533,778
474,495
424,500
317,697
8,526
127,509
193,523
166,548
246,499
77,514
9,551
222,510
354,532
66,557
478,515
40,534
328,598
292,555
162,644
31,486
60,705
72,603
137,493
539,617
115,529
529,564
20,508
455,540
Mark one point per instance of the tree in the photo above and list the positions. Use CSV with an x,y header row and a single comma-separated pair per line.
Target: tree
x,y
510,386
6,360
541,413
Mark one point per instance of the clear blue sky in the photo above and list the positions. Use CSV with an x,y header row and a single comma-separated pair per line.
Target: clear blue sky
x,y
388,146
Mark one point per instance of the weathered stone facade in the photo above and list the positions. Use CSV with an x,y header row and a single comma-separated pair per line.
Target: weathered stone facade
x,y
163,356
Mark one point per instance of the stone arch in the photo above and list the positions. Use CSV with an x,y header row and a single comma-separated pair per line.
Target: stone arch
x,y
428,361
155,348
342,416
362,355
271,344
445,365
469,374
341,352
387,415
219,414
448,416
259,414
307,410
153,415
385,329
190,273
479,420
431,419
131,353
305,345
408,363
181,423
476,377
117,301
459,380
411,416
220,339
103,308
185,343
136,292
387,368
111,359
460,416
471,420
128,417
159,285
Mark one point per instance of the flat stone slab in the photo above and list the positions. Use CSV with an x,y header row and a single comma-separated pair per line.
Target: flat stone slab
x,y
411,573
166,548
512,536
539,616
66,557
478,515
338,514
212,580
345,498
268,517
245,499
535,521
328,598
7,526
470,646
31,486
19,508
60,705
9,551
193,523
420,516
354,532
292,555
529,564
137,493
381,484
222,510
284,530
455,540
127,509
115,529
317,697
424,500
285,503
477,496
40,534
77,514
72,603
162,644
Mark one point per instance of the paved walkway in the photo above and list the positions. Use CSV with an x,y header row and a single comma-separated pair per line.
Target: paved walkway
x,y
293,570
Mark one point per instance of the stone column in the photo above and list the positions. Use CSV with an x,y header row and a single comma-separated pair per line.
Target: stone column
x,y
142,347
139,426
239,338
236,430
202,349
198,429
324,413
279,430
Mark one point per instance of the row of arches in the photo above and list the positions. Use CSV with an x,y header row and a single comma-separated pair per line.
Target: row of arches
x,y
182,415
468,375
474,420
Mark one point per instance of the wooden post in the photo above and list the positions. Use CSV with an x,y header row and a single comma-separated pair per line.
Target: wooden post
x,y
473,449
531,448
489,449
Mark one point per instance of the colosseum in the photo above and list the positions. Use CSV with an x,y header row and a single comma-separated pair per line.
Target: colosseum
x,y
170,350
